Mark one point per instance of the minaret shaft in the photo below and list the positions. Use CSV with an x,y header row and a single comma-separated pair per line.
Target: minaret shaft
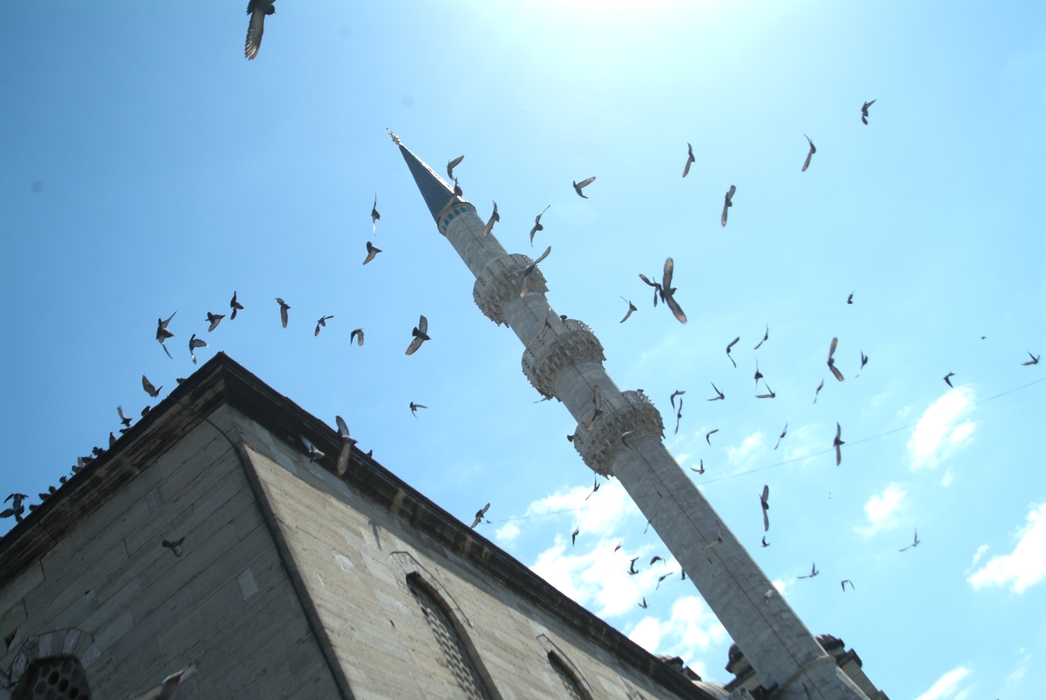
x,y
565,360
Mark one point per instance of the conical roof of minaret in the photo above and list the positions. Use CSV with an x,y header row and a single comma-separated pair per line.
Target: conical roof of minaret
x,y
432,187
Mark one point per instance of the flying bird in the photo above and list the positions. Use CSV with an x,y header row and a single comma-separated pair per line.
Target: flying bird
x,y
948,378
494,217
453,164
374,215
864,119
595,487
214,320
163,334
668,291
758,374
347,443
310,449
701,468
769,395
194,343
730,345
149,388
420,333
537,224
850,299
837,443
818,391
813,572
765,543
169,687
482,511
676,393
720,395
257,9
831,360
235,306
655,285
846,580
632,567
661,578
813,150
578,186
284,307
864,361
175,546
709,434
781,436
915,543
766,336
764,499
529,269
322,322
353,336
597,407
643,604
728,202
689,159
1033,361
679,415
573,535
372,252
414,408
123,417
17,508
631,308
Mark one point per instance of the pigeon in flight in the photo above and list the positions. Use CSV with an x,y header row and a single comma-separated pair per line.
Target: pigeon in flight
x,y
347,443
632,567
420,333
668,291
837,443
17,508
850,299
537,224
1033,361
915,543
597,408
313,452
631,308
529,269
720,395
322,322
766,336
453,164
578,186
677,392
831,360
573,535
655,285
284,307
781,436
708,435
374,215
813,572
235,306
123,417
729,346
765,543
818,391
163,334
701,468
864,119
194,343
482,511
813,150
414,408
770,395
764,499
679,416
494,218
643,604
728,202
214,320
758,374
149,388
864,361
257,9
846,580
661,578
595,487
372,252
169,687
689,159
356,332
175,546
948,379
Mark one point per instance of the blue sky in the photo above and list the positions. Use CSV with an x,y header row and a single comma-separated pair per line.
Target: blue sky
x,y
169,171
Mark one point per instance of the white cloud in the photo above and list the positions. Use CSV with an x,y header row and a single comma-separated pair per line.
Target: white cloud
x,y
1026,565
741,454
599,513
979,553
942,429
882,510
946,686
689,633
507,533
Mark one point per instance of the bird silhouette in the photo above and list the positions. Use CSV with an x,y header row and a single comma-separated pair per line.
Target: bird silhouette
x,y
766,336
679,415
578,186
530,269
768,395
357,335
915,543
347,443
831,360
631,308
414,408
846,580
818,391
632,567
284,308
708,435
235,306
374,215
850,299
720,396
764,499
837,443
643,604
420,333
675,393
310,449
668,291
813,150
163,334
494,218
764,542
758,374
322,322
214,320
689,159
257,9
372,252
948,378
481,512
453,164
573,535
149,388
194,343
1033,361
730,345
781,436
123,417
813,572
537,224
175,546
728,202
864,117
701,467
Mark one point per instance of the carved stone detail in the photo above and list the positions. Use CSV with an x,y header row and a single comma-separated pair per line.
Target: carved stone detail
x,y
563,344
455,207
500,281
600,447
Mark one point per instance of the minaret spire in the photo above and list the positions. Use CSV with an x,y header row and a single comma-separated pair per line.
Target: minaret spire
x,y
622,437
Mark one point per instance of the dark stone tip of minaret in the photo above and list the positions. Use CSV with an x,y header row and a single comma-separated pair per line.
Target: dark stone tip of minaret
x,y
433,189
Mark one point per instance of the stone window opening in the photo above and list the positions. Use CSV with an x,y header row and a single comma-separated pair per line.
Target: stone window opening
x,y
53,678
570,683
450,641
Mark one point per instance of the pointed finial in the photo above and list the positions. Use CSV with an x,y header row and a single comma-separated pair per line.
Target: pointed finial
x,y
395,139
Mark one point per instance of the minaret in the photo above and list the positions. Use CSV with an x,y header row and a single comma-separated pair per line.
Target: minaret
x,y
565,360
